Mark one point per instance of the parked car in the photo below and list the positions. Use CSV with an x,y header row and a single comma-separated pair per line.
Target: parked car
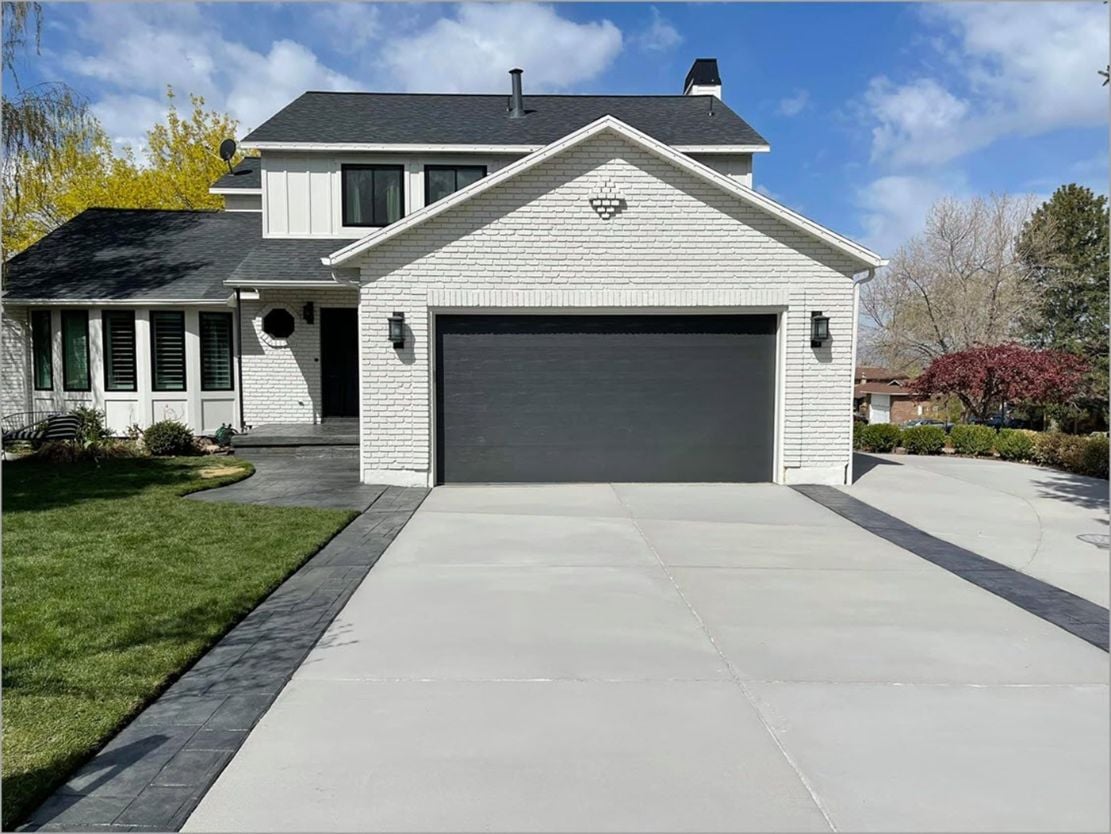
x,y
996,422
927,421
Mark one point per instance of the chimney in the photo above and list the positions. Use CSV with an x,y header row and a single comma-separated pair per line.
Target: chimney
x,y
517,101
703,79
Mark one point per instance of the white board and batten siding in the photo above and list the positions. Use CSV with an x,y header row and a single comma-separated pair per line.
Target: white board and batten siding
x,y
202,411
301,193
679,244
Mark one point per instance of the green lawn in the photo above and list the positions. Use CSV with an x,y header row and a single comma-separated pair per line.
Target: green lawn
x,y
112,584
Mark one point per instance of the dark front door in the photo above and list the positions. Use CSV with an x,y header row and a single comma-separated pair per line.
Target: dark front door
x,y
605,398
339,362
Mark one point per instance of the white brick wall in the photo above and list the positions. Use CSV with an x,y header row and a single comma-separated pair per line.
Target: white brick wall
x,y
281,382
15,356
535,241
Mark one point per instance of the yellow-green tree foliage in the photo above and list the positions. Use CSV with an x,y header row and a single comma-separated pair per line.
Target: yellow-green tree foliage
x,y
180,160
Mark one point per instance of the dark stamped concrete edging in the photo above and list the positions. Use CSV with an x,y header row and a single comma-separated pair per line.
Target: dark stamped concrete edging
x,y
153,774
1076,615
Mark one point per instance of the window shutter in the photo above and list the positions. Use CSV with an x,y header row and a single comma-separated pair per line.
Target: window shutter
x,y
119,350
216,352
168,350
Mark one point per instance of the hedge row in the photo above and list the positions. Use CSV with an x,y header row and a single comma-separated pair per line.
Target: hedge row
x,y
1082,454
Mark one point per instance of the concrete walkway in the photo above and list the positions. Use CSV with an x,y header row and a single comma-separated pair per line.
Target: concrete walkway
x,y
1046,523
657,657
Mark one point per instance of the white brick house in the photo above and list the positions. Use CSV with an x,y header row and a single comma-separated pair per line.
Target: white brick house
x,y
613,303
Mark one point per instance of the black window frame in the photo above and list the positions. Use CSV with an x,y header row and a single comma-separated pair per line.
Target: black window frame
x,y
88,386
364,166
105,317
209,316
154,386
427,182
48,316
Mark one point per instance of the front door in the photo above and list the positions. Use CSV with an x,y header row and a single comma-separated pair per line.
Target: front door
x,y
339,362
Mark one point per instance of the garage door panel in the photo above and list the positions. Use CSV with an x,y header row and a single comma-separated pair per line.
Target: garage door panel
x,y
604,398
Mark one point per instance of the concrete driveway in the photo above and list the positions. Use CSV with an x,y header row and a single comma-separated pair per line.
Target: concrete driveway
x,y
657,657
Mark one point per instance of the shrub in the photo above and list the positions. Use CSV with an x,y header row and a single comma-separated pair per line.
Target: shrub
x,y
1082,455
858,428
1015,444
880,437
972,440
90,425
74,451
169,437
1094,458
1047,448
924,440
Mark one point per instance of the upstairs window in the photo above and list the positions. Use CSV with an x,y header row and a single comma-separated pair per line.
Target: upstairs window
x,y
42,350
216,365
119,350
75,350
441,180
373,195
167,348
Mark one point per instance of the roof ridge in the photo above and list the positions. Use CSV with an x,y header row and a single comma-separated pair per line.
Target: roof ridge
x,y
502,95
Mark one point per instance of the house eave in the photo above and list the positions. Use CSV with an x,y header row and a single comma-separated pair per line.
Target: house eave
x,y
385,147
117,302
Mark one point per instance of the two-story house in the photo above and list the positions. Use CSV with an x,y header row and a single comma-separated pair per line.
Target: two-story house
x,y
498,287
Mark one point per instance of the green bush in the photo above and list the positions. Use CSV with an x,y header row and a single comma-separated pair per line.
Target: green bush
x,y
880,437
972,440
169,437
858,428
924,440
1075,453
1047,448
90,425
1094,459
1015,444
74,451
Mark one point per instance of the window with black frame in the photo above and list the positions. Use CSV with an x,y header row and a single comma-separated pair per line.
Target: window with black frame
x,y
120,373
442,180
75,350
167,348
42,350
373,195
216,351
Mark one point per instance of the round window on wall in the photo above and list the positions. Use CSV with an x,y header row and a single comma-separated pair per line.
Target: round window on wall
x,y
278,323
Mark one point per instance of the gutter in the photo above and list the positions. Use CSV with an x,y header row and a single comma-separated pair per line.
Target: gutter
x,y
858,279
239,356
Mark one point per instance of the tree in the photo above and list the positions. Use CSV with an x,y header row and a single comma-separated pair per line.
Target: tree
x,y
180,163
956,285
36,119
987,377
1064,246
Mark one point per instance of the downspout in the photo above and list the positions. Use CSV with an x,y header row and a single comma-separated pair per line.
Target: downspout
x,y
858,279
239,356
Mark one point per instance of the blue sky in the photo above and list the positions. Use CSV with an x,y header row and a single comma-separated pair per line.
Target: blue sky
x,y
873,110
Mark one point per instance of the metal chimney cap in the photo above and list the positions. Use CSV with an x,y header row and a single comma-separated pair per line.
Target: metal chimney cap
x,y
516,71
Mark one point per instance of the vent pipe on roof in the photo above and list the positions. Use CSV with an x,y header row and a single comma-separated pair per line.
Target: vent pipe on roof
x,y
517,101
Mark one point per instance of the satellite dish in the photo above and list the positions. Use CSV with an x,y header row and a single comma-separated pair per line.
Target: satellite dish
x,y
227,151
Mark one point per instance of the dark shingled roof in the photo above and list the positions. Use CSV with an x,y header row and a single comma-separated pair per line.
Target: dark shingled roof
x,y
442,119
247,174
134,254
287,259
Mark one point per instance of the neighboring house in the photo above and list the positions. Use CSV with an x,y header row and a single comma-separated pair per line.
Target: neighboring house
x,y
500,288
883,396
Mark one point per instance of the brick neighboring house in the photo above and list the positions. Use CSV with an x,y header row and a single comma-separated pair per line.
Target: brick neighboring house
x,y
882,396
497,288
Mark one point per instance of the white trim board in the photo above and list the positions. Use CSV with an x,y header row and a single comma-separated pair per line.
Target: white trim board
x,y
608,123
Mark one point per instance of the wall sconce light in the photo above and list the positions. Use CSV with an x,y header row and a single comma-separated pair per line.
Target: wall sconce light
x,y
307,313
397,329
819,329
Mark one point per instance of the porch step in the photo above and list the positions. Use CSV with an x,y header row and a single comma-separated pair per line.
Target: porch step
x,y
340,433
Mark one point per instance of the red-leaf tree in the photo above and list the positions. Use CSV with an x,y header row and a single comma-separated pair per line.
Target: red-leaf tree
x,y
984,378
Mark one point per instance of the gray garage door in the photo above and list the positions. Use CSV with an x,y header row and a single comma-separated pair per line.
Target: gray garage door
x,y
604,398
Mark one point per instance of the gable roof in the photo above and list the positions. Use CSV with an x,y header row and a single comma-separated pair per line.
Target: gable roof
x,y
246,175
134,254
319,118
866,257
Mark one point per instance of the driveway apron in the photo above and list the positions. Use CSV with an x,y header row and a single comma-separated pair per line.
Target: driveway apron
x,y
671,657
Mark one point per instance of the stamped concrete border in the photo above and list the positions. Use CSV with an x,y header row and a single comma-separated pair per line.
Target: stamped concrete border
x,y
1076,615
153,774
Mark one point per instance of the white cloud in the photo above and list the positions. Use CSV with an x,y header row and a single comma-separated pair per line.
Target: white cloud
x,y
473,50
793,105
349,27
659,35
894,208
135,51
1019,69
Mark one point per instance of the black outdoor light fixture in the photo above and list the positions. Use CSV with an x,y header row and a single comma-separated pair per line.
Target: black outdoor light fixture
x,y
307,313
397,329
819,328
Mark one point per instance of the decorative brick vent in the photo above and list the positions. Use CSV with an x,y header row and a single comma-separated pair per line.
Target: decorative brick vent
x,y
607,200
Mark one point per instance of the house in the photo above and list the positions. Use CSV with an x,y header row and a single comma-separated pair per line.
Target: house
x,y
883,396
499,288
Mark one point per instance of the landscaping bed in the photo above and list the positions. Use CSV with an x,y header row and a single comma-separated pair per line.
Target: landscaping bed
x,y
112,586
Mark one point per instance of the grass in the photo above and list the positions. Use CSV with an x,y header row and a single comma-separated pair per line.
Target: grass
x,y
113,585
